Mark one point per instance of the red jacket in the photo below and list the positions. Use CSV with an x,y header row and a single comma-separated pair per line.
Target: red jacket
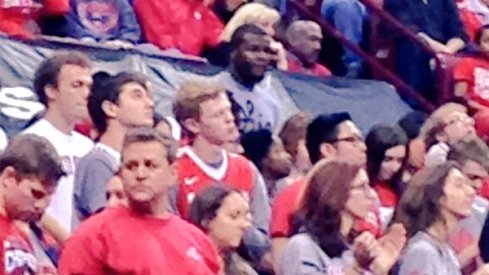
x,y
18,17
187,25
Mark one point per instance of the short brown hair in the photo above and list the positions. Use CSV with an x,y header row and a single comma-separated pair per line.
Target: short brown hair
x,y
148,134
473,149
32,155
48,72
294,130
188,98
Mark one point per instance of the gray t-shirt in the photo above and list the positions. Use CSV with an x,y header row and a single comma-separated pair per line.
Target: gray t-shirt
x,y
424,255
93,172
266,105
302,256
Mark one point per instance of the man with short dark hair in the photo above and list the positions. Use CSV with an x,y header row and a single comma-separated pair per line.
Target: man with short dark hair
x,y
143,238
62,83
116,104
29,171
262,100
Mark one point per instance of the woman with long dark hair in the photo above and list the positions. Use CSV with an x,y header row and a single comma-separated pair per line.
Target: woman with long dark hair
x,y
337,194
434,203
224,214
386,155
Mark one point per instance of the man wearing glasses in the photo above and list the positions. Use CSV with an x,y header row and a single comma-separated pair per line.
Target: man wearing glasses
x,y
328,136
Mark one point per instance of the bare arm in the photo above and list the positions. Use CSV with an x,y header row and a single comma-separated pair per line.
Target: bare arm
x,y
59,233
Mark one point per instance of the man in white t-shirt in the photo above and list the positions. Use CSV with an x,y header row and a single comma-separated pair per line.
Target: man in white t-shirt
x,y
62,83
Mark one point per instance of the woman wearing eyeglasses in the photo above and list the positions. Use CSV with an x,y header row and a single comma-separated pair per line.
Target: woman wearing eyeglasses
x,y
337,194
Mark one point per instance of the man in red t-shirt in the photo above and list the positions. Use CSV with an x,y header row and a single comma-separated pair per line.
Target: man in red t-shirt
x,y
328,136
18,17
303,45
471,75
29,171
204,111
189,26
144,238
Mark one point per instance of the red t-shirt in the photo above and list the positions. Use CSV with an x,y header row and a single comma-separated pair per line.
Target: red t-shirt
x,y
17,255
194,175
317,70
387,196
120,241
284,206
18,17
475,72
187,25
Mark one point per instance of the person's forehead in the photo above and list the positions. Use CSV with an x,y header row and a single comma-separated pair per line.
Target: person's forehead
x,y
255,39
473,166
348,127
152,150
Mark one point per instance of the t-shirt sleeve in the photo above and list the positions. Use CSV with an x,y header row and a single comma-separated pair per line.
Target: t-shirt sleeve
x,y
83,253
463,70
419,261
90,186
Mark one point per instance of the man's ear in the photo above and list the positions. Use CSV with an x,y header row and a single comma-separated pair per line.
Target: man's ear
x,y
110,109
327,150
9,176
50,92
192,125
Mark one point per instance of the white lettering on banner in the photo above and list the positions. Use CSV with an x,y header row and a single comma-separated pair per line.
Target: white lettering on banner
x,y
481,85
19,103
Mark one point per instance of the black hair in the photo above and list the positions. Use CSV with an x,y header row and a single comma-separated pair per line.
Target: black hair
x,y
238,36
107,88
256,145
47,73
207,202
412,122
380,139
324,128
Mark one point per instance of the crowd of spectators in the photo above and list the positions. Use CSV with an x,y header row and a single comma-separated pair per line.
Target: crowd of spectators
x,y
238,180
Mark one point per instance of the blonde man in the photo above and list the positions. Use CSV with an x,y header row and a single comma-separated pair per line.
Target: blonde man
x,y
204,111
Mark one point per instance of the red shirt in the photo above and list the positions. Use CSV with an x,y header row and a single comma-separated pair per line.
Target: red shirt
x,y
18,17
120,241
284,206
317,69
187,25
475,72
194,175
17,255
387,196
471,21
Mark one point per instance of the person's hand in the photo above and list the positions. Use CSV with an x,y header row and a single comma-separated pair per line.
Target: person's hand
x,y
483,270
363,246
386,254
280,55
119,44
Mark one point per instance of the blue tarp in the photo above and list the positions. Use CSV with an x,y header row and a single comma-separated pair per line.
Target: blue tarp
x,y
369,102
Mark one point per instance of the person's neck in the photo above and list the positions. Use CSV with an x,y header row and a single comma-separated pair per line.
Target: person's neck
x,y
302,61
346,224
442,229
157,209
206,151
113,137
59,121
247,81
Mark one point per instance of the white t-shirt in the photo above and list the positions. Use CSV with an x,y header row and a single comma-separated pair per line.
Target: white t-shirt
x,y
3,139
71,148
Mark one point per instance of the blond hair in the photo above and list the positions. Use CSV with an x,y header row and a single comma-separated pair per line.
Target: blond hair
x,y
436,121
188,98
251,13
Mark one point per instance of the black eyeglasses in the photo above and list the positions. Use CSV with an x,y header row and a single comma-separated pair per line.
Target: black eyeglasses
x,y
352,139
